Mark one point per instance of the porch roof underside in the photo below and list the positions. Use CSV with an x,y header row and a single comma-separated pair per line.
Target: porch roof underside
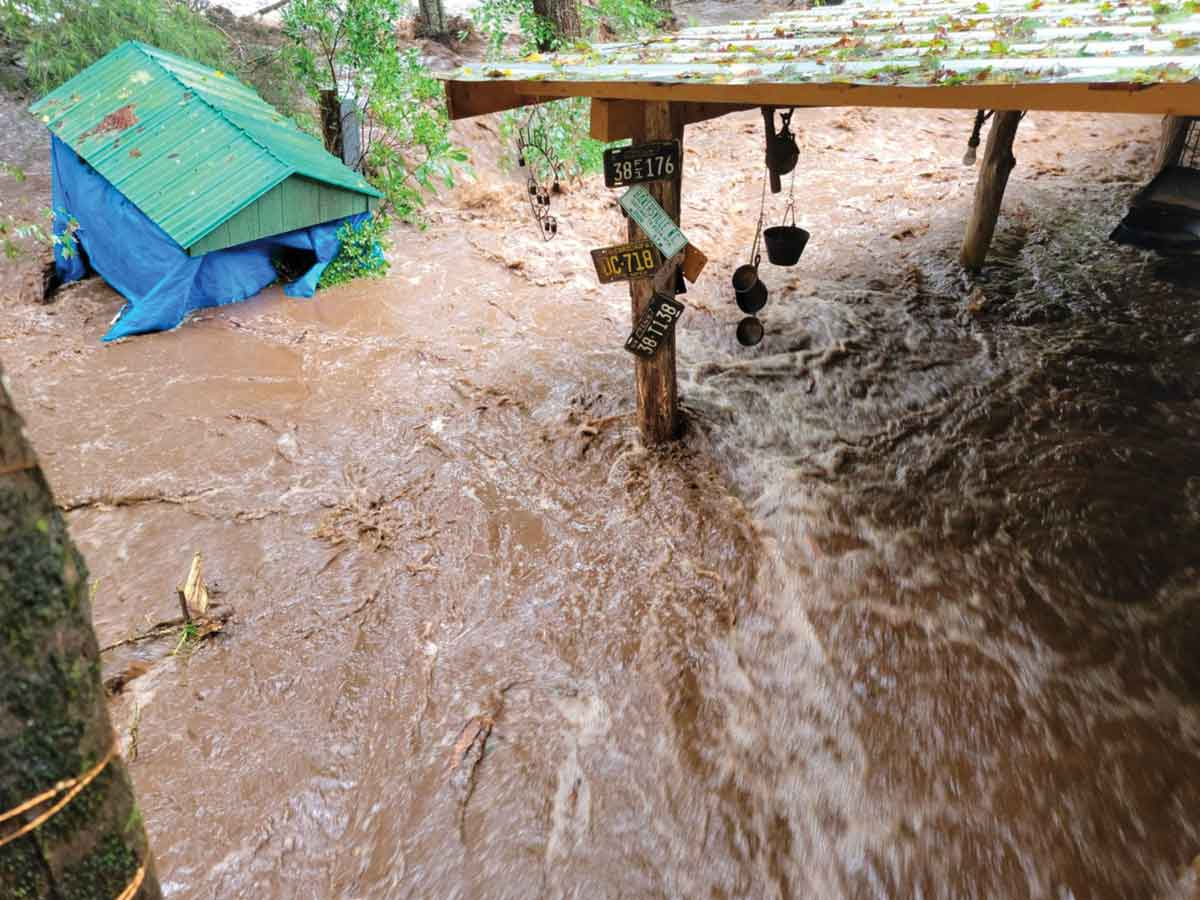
x,y
1134,56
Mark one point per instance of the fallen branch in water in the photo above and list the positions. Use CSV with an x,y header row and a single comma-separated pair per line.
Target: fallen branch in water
x,y
205,627
108,501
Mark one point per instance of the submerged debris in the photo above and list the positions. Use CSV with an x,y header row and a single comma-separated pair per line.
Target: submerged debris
x,y
464,762
469,750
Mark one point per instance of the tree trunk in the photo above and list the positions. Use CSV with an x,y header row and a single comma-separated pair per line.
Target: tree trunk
x,y
998,163
54,723
563,18
655,377
331,122
433,18
668,21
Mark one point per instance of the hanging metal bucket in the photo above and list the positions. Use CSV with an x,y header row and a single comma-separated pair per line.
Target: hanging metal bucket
x,y
749,331
785,242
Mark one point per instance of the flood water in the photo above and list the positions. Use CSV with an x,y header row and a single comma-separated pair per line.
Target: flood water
x,y
912,611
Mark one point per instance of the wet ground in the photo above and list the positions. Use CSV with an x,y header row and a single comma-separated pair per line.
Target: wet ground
x,y
913,611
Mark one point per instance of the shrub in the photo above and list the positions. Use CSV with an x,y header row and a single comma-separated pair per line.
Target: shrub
x,y
361,254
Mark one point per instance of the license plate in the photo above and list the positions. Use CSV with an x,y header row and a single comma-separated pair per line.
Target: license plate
x,y
653,220
626,261
654,326
654,161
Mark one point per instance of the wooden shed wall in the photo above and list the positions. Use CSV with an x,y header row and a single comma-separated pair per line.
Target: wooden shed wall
x,y
296,202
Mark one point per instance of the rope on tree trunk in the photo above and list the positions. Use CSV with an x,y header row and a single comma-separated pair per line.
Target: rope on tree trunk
x,y
132,888
71,785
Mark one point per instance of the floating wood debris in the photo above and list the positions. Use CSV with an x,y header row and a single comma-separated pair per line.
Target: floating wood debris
x,y
193,593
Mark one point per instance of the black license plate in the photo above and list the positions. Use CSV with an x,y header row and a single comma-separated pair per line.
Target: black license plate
x,y
655,161
654,326
640,259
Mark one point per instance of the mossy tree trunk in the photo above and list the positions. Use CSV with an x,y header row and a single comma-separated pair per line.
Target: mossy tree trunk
x,y
563,19
54,722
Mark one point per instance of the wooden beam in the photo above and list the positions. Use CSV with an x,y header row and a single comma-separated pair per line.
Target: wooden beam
x,y
465,99
1170,147
691,113
472,98
998,162
615,120
657,392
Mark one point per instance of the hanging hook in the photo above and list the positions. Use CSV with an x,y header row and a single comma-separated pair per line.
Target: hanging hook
x,y
980,117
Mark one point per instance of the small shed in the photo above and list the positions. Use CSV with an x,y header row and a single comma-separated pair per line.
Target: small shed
x,y
181,185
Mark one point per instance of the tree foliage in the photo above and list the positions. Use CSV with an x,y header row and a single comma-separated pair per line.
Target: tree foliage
x,y
348,46
60,38
564,123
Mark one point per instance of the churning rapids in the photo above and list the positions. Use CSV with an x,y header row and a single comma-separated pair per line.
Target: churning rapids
x,y
912,612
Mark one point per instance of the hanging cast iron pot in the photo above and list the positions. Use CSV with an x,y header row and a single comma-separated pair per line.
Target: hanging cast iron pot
x,y
749,331
749,291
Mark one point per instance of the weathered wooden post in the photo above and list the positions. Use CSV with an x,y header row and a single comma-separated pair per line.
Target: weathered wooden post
x,y
70,828
998,162
655,377
1174,137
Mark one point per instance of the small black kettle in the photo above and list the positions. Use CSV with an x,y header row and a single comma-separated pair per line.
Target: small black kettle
x,y
782,150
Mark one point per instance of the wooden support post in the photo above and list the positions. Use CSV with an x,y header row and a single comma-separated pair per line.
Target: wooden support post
x,y
1174,136
998,162
656,387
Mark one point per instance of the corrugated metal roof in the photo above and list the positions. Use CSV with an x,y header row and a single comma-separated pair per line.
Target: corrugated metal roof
x,y
908,43
188,145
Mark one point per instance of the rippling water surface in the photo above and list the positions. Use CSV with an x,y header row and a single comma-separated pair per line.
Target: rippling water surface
x,y
912,612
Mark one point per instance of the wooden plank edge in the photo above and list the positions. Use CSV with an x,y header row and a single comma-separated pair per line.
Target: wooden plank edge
x,y
1183,98
615,120
465,99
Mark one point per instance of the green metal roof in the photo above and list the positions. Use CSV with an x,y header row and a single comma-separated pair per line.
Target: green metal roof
x,y
190,146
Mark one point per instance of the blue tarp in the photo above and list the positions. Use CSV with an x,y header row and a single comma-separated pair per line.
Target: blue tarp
x,y
157,278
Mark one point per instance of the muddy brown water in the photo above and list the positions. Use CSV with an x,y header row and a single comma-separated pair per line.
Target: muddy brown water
x,y
913,611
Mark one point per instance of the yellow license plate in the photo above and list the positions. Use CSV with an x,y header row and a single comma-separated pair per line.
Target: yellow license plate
x,y
640,259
